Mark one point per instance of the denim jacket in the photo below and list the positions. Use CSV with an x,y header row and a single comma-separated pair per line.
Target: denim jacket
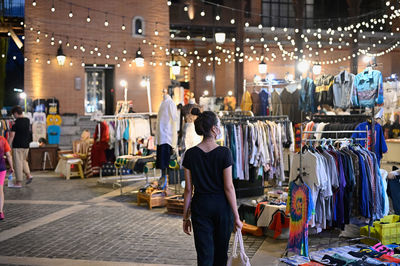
x,y
368,89
306,100
343,89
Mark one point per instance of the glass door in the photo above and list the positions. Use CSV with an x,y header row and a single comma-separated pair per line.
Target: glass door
x,y
94,91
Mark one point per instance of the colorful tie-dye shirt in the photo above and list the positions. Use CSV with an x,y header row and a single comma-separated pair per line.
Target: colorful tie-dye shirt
x,y
300,207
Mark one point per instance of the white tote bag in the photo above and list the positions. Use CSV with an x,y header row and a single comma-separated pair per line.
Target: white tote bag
x,y
241,259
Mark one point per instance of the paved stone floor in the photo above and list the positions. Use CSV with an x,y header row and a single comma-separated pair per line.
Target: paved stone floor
x,y
77,222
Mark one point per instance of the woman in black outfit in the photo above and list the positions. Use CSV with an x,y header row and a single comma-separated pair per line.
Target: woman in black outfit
x,y
208,169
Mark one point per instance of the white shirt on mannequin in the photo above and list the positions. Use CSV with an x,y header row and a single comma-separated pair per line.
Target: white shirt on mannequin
x,y
167,123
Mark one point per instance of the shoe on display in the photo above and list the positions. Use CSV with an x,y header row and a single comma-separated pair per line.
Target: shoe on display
x,y
1,215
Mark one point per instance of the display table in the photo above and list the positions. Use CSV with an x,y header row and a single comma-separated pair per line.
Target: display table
x,y
43,158
266,215
393,152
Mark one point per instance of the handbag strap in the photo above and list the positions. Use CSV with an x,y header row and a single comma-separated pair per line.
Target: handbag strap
x,y
241,245
235,244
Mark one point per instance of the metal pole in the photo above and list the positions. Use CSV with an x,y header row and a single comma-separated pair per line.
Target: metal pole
x,y
148,94
214,90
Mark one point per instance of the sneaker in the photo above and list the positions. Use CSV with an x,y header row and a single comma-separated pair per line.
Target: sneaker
x,y
1,215
29,180
14,186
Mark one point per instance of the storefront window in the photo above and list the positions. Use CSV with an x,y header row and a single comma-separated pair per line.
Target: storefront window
x,y
94,96
138,27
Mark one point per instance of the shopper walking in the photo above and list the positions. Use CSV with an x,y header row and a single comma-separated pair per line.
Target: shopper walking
x,y
19,140
4,151
208,170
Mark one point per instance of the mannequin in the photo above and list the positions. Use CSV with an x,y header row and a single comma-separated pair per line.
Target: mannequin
x,y
166,135
190,136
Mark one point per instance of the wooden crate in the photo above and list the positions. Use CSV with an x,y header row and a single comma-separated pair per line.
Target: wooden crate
x,y
175,205
155,199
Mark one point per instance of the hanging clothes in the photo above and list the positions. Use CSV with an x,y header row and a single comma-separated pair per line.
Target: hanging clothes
x,y
256,103
276,104
306,99
300,208
229,103
264,102
368,88
343,89
324,90
101,137
247,103
258,148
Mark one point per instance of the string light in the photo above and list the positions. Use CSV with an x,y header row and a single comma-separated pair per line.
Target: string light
x,y
217,17
156,31
169,3
53,9
108,45
123,23
70,11
202,13
232,21
34,2
106,21
88,16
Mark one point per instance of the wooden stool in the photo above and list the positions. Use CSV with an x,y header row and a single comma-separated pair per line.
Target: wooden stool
x,y
155,199
75,162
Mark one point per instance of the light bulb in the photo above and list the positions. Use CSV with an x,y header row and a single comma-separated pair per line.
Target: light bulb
x,y
53,9
233,21
88,19
106,23
34,2
185,8
217,17
156,32
169,3
172,35
202,13
70,14
247,24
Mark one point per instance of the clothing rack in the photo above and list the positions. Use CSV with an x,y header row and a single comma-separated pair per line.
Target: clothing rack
x,y
243,120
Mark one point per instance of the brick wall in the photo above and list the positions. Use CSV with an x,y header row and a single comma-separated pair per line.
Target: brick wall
x,y
51,80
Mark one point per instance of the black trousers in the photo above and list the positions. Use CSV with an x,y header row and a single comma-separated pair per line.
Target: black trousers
x,y
212,222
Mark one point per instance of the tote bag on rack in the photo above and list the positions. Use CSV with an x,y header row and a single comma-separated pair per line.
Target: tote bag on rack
x,y
242,259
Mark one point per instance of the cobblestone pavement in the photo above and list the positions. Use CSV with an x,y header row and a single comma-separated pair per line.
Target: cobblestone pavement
x,y
81,221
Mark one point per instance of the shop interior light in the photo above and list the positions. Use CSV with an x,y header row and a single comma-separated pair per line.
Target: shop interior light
x,y
176,69
257,78
220,37
123,83
368,59
303,66
60,56
139,59
143,82
270,77
205,93
289,77
317,68
230,93
262,67
209,77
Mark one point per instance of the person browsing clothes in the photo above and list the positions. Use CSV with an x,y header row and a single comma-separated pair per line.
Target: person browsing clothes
x,y
208,172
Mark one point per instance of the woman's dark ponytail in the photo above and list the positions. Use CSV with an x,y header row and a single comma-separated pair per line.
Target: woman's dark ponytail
x,y
204,122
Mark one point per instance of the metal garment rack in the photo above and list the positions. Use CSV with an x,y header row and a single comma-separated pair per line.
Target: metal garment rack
x,y
119,177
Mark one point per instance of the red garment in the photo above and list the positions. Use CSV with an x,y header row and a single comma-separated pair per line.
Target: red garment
x,y
311,263
104,132
279,221
99,147
387,258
